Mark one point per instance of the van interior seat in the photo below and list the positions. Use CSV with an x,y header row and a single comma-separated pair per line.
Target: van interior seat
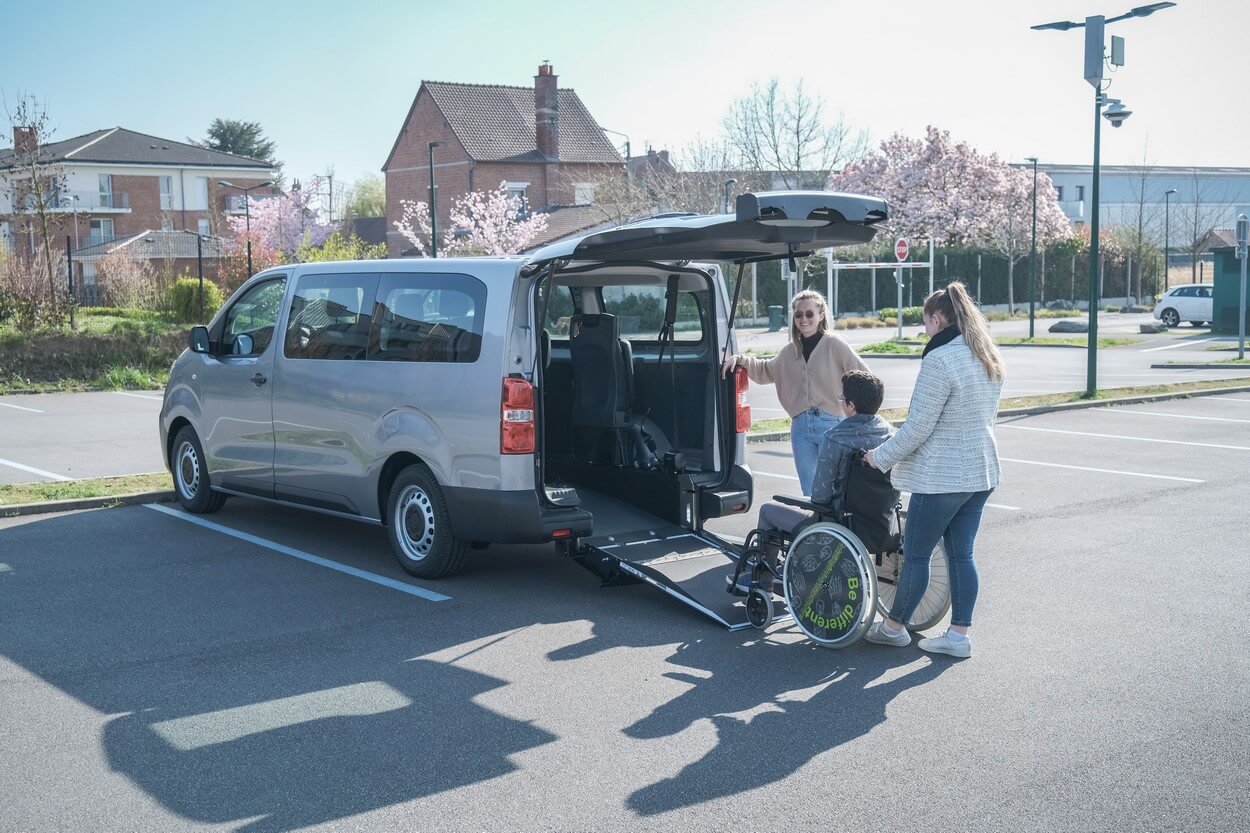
x,y
603,389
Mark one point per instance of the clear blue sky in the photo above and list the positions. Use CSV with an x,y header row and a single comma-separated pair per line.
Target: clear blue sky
x,y
330,82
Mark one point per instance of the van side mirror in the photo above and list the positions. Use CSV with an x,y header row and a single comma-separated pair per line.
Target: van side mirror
x,y
197,340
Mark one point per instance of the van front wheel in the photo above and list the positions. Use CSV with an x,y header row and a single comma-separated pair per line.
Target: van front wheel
x,y
420,526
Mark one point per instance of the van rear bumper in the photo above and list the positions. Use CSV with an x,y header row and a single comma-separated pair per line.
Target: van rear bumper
x,y
510,517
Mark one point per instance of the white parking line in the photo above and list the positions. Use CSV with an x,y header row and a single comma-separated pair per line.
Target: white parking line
x,y
410,589
1102,471
139,395
33,470
1169,416
1122,437
1174,346
20,408
1232,399
905,494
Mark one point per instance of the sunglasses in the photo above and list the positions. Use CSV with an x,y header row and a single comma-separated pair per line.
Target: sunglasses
x,y
805,313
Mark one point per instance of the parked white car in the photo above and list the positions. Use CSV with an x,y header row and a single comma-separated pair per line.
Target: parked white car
x,y
1191,302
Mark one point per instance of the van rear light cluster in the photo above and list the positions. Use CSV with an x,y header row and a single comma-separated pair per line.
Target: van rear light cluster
x,y
516,417
742,421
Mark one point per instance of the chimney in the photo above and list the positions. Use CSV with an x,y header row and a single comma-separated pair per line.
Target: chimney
x,y
23,139
547,112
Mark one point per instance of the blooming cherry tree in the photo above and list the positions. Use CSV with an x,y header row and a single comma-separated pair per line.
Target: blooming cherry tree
x,y
285,222
482,223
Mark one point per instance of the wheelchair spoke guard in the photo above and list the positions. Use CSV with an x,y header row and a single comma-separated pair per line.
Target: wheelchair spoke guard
x,y
830,584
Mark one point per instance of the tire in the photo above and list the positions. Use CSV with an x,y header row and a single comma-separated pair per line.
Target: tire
x,y
420,526
759,608
191,484
1170,318
936,601
830,586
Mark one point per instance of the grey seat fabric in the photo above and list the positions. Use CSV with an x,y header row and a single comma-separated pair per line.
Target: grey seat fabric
x,y
603,389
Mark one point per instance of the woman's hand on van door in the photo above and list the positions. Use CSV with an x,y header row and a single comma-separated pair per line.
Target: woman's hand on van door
x,y
729,365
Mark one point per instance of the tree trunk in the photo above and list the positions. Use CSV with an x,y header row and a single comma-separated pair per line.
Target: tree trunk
x,y
1011,286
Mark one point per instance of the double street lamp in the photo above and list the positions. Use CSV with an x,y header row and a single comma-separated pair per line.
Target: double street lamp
x,y
1095,49
247,213
1033,250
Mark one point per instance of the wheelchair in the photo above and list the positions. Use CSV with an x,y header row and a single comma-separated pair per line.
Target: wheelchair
x,y
840,568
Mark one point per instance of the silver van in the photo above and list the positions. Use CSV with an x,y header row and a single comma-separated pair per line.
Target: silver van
x,y
573,395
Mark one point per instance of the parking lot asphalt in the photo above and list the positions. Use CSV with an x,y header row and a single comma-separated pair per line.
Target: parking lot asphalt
x,y
161,675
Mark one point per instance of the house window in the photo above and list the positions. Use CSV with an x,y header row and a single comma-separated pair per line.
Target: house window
x,y
1080,193
519,192
101,231
1059,192
106,190
202,226
583,193
201,193
167,192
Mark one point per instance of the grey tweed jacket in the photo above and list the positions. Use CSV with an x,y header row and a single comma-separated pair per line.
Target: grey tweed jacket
x,y
947,443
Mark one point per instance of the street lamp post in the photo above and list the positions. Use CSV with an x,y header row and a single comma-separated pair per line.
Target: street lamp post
x,y
433,202
247,213
1167,237
1033,252
1095,49
725,202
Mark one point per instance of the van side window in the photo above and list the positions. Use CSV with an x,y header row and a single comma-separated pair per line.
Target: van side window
x,y
559,309
639,312
249,324
424,317
330,317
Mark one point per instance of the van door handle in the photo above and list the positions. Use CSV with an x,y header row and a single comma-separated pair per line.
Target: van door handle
x,y
259,380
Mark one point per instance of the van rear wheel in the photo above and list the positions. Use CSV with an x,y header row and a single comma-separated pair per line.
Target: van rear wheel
x,y
420,526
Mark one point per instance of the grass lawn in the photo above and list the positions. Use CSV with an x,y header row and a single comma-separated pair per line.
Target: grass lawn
x,y
95,487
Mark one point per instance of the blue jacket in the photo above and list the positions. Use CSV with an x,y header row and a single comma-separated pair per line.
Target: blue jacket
x,y
857,433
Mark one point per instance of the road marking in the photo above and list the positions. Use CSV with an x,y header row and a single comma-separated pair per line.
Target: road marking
x,y
792,477
20,408
139,396
1169,416
1123,437
1231,399
1174,346
1102,471
33,470
410,589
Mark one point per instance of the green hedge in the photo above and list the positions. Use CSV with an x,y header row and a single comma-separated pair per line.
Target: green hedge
x,y
184,300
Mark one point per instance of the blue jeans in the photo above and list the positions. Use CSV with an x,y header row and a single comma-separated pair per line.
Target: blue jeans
x,y
954,518
807,432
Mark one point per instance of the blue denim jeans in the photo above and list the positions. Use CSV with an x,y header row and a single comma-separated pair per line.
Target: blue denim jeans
x,y
954,518
807,431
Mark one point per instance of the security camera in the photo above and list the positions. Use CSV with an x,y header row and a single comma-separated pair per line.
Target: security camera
x,y
1116,114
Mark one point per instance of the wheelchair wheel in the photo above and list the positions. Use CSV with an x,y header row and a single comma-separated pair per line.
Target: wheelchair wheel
x,y
936,601
759,608
830,584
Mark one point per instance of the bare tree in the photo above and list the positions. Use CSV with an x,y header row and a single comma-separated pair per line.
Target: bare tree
x,y
1140,222
1207,206
771,129
34,184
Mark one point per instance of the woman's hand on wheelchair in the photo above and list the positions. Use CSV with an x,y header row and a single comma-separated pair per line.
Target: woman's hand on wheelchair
x,y
868,459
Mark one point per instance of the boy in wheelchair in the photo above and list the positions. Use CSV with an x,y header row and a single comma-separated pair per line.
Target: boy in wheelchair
x,y
869,503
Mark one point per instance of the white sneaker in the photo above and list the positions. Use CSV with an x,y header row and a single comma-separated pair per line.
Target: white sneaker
x,y
878,635
945,644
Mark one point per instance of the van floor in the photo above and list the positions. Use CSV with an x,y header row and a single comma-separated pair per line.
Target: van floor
x,y
614,516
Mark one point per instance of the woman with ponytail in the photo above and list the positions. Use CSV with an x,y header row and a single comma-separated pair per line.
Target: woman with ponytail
x,y
945,455
808,374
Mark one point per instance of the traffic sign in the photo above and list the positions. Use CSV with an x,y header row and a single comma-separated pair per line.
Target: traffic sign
x,y
901,249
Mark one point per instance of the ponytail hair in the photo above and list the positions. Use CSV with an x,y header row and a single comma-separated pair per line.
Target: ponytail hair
x,y
955,305
822,308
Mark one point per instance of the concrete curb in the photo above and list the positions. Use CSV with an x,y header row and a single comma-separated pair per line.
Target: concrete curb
x,y
73,504
1198,366
773,436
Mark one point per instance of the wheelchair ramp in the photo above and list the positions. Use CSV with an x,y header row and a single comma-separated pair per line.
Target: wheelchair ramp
x,y
689,566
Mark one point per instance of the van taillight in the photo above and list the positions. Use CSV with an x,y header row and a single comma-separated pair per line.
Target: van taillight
x,y
516,417
743,410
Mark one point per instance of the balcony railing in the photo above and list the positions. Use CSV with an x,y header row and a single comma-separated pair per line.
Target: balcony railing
x,y
84,201
97,237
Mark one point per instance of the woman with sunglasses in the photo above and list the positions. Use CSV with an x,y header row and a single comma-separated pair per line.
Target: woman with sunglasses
x,y
808,375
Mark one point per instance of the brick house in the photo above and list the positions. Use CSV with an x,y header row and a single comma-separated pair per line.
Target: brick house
x,y
541,141
119,183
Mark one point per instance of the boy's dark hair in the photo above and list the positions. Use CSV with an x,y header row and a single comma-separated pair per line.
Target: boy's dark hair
x,y
863,390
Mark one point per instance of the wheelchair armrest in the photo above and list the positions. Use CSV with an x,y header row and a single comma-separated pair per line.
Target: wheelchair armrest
x,y
799,503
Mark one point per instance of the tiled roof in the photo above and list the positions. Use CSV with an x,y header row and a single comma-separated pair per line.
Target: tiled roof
x,y
1218,238
117,145
567,220
156,245
496,122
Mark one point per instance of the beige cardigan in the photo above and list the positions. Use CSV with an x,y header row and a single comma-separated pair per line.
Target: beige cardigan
x,y
815,383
